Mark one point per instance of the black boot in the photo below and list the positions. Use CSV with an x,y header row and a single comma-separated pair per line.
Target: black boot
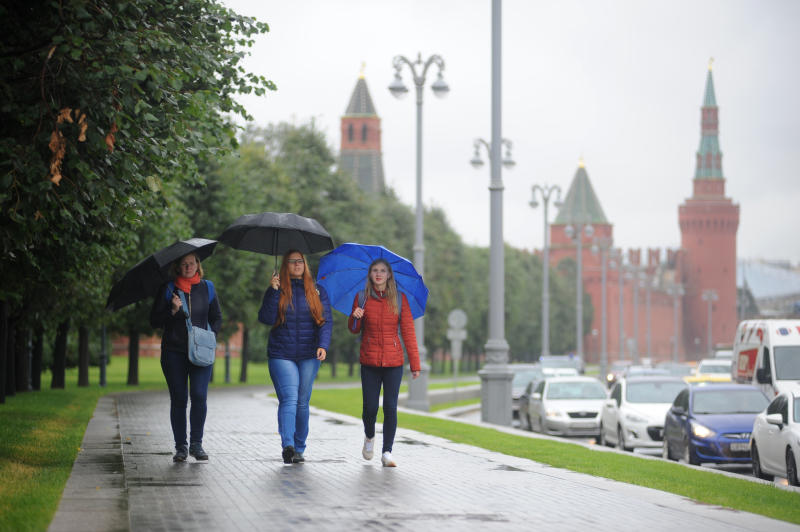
x,y
196,450
288,454
181,452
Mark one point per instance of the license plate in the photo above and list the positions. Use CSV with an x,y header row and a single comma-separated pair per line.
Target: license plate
x,y
584,426
740,446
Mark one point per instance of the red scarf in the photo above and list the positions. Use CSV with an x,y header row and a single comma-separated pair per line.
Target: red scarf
x,y
184,284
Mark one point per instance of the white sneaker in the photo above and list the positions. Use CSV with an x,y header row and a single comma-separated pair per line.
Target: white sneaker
x,y
368,450
387,460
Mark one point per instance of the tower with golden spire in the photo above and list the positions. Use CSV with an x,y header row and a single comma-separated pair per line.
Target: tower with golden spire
x,y
360,153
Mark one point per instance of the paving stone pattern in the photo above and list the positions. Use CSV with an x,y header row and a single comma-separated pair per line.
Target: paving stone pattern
x,y
439,485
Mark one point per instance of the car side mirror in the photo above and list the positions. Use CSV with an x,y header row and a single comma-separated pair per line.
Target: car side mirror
x,y
678,410
611,403
536,396
775,419
763,376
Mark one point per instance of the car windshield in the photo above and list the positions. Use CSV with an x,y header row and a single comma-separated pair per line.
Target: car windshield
x,y
712,367
522,378
797,409
729,402
576,390
680,370
653,391
787,362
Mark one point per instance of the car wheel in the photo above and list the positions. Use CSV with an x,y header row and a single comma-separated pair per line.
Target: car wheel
x,y
621,439
689,456
757,471
665,452
791,468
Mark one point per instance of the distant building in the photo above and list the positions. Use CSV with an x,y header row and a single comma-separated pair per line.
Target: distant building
x,y
360,154
705,262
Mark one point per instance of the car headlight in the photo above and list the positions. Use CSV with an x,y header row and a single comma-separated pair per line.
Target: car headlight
x,y
635,418
701,431
554,413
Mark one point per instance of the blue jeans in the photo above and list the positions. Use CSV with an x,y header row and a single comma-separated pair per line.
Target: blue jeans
x,y
371,380
293,380
177,370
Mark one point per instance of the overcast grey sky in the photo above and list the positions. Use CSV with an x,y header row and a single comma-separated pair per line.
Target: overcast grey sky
x,y
619,83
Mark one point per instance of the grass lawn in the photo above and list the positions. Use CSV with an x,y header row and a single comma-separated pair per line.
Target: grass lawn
x,y
702,486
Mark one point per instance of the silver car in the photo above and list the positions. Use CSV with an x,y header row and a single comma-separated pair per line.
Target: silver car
x,y
566,406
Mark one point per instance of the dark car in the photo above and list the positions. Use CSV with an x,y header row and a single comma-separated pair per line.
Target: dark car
x,y
712,423
523,374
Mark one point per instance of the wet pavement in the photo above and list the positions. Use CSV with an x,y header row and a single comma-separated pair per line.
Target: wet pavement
x,y
246,486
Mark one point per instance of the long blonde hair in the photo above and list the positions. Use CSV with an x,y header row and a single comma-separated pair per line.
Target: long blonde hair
x,y
391,286
312,296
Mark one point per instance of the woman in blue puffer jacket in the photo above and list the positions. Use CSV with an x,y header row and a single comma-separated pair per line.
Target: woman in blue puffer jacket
x,y
300,315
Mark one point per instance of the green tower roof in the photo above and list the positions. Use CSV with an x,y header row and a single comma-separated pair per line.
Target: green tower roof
x,y
710,100
360,102
581,204
709,155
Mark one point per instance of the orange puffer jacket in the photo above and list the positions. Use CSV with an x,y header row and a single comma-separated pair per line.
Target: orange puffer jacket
x,y
380,344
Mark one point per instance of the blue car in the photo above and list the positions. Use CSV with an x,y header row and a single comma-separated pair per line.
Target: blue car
x,y
712,423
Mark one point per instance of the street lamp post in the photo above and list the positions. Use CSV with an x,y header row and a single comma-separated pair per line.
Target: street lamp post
x,y
576,233
637,282
677,292
602,245
418,388
545,192
616,264
648,332
496,375
710,296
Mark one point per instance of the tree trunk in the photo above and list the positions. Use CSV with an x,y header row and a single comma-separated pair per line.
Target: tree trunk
x,y
83,356
23,355
3,340
36,360
133,357
11,358
60,355
351,368
245,347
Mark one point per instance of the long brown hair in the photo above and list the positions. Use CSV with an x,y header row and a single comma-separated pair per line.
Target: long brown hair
x,y
391,286
312,296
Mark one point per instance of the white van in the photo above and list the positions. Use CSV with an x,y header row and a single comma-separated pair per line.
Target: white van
x,y
767,353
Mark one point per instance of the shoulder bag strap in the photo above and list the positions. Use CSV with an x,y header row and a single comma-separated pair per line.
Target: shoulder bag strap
x,y
186,312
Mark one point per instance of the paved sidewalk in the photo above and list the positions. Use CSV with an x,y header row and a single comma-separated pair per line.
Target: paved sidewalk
x,y
438,485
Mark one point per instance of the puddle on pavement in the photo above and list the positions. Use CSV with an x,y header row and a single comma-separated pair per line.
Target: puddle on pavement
x,y
406,441
506,468
337,421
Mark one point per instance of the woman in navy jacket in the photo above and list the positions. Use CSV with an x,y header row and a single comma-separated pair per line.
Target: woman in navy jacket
x,y
166,314
300,315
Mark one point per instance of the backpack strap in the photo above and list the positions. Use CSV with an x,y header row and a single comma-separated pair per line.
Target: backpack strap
x,y
211,293
170,289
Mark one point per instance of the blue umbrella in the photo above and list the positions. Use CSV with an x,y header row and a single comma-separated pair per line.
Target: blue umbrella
x,y
343,273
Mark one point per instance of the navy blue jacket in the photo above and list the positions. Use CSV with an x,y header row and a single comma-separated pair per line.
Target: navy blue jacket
x,y
175,337
298,337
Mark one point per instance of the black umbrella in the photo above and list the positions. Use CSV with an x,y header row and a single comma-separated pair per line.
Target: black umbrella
x,y
142,281
275,233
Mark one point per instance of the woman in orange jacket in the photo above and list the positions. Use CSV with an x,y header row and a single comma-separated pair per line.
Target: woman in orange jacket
x,y
377,317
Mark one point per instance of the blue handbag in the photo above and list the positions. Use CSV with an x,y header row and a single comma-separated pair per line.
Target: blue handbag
x,y
202,342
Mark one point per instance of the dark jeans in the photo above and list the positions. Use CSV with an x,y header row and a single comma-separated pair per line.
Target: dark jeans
x,y
371,380
177,370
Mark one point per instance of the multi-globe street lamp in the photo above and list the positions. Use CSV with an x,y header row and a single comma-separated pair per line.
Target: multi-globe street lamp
x,y
616,264
576,233
676,291
602,246
710,296
545,192
418,388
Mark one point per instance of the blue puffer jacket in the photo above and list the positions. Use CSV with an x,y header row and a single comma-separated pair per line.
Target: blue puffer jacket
x,y
298,337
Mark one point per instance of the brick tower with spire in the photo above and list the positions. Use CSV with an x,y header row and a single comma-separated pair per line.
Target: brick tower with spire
x,y
360,154
708,223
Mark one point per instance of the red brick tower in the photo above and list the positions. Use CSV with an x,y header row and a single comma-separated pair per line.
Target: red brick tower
x,y
708,222
360,154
